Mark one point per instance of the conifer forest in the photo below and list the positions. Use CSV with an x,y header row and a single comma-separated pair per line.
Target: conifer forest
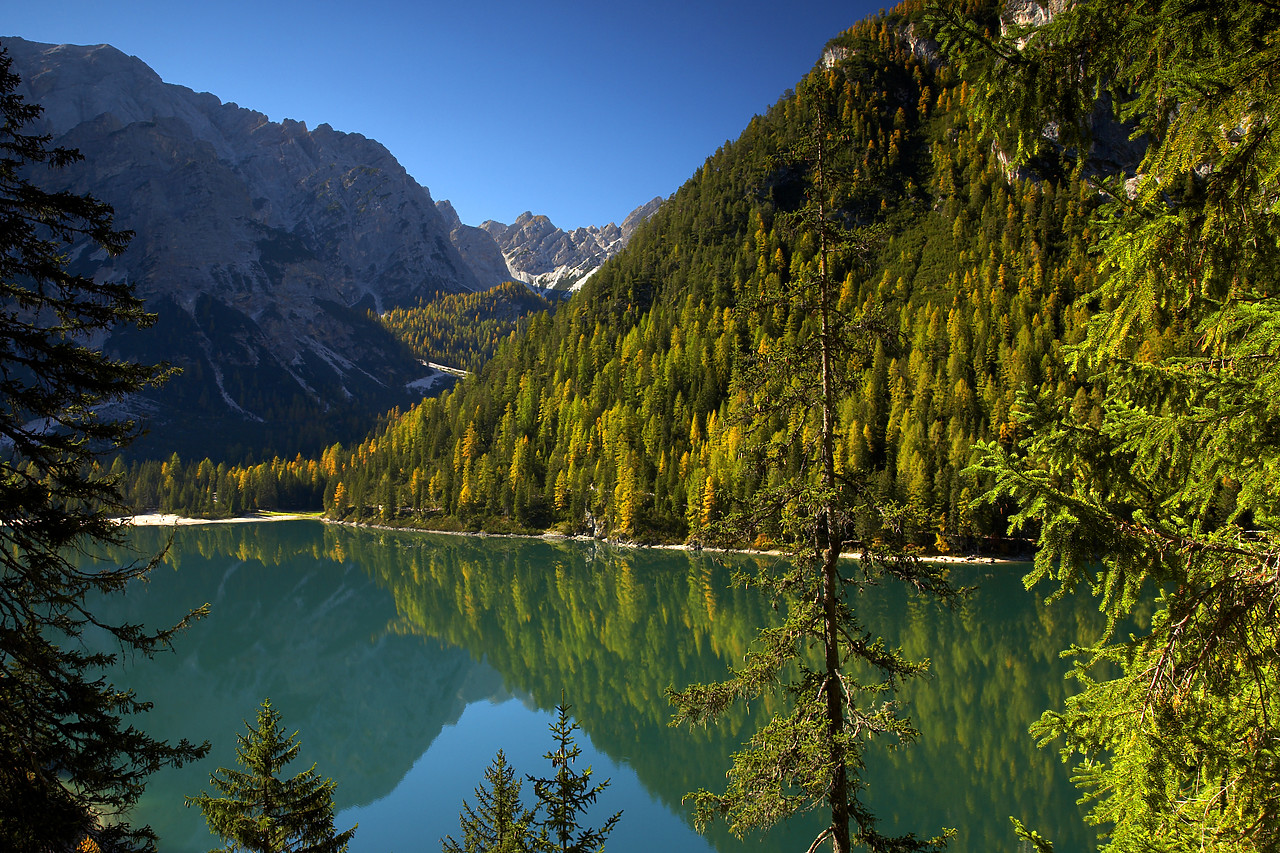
x,y
978,285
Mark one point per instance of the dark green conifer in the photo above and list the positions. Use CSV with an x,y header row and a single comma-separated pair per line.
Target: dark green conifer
x,y
564,797
499,822
1165,490
262,812
71,765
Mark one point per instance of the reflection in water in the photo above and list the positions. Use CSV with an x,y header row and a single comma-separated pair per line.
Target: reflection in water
x,y
376,647
424,805
311,633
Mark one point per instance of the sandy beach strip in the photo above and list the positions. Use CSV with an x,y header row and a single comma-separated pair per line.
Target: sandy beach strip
x,y
165,519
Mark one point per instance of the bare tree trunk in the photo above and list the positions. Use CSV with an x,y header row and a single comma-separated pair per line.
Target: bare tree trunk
x,y
830,536
835,698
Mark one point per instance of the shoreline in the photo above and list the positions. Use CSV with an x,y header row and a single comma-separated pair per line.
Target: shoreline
x,y
168,519
164,519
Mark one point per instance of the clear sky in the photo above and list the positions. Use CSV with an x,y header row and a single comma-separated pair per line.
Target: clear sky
x,y
580,111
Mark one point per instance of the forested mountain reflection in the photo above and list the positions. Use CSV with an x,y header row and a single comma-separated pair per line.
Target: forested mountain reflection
x,y
312,632
612,628
298,615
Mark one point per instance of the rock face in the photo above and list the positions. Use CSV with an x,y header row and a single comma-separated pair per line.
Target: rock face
x,y
1112,145
259,244
478,248
546,258
1021,14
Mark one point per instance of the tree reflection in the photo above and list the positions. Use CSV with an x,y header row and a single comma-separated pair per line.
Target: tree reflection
x,y
372,641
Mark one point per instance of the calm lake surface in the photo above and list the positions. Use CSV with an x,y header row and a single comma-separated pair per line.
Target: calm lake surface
x,y
405,661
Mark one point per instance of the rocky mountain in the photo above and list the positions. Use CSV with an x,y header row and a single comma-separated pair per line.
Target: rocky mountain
x,y
259,244
548,258
477,247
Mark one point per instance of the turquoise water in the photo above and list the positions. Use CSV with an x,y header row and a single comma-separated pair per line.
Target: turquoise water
x,y
404,661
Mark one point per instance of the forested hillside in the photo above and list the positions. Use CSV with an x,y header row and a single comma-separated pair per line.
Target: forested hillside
x,y
1081,346
258,247
462,330
1166,491
615,415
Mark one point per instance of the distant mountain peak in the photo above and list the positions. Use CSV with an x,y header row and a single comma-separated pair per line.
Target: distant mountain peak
x,y
261,245
545,257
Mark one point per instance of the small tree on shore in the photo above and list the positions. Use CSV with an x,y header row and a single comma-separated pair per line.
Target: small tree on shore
x,y
500,823
567,794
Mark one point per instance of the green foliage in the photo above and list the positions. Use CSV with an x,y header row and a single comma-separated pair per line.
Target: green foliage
x,y
463,329
70,765
839,680
1166,490
565,797
1031,837
615,415
614,626
261,812
205,490
499,822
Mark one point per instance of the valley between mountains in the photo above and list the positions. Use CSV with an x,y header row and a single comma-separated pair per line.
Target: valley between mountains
x,y
993,278
263,247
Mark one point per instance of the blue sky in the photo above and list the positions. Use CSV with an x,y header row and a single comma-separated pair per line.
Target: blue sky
x,y
580,111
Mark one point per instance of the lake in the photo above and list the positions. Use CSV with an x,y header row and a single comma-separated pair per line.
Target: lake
x,y
405,661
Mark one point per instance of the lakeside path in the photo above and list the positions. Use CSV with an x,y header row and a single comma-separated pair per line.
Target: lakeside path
x,y
164,519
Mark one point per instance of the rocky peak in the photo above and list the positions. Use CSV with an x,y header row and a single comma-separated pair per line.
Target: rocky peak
x,y
834,55
639,216
478,248
76,84
921,44
548,258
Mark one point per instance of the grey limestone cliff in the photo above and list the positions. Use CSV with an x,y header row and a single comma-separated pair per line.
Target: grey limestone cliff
x,y
259,244
478,248
262,246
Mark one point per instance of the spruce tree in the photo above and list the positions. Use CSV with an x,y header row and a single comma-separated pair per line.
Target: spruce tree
x,y
262,812
564,797
71,764
499,822
819,658
1168,494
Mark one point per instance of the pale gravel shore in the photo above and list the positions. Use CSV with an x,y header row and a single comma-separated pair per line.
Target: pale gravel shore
x,y
165,519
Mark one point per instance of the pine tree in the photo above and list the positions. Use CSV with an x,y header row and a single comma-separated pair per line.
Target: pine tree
x,y
499,822
70,765
261,812
1166,491
811,753
564,797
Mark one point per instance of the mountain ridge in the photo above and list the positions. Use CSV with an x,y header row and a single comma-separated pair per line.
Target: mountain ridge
x,y
261,245
622,414
548,258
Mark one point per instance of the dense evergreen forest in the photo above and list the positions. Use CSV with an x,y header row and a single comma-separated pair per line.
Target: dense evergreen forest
x,y
615,414
462,330
1083,351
